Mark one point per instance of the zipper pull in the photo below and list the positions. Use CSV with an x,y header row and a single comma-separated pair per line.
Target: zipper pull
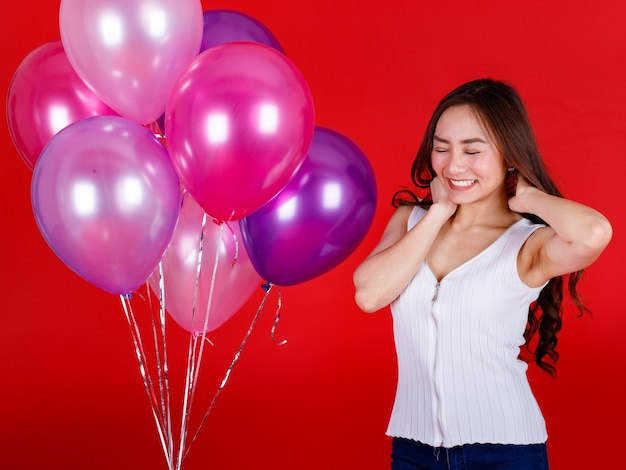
x,y
436,294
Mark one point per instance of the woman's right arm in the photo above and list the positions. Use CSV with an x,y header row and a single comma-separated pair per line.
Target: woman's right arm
x,y
389,268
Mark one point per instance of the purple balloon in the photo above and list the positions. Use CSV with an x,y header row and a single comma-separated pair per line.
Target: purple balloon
x,y
106,199
320,217
45,96
220,26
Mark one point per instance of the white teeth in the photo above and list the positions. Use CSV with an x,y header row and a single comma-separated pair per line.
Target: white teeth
x,y
463,183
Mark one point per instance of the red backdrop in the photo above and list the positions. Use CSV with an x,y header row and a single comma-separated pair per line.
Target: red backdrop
x,y
71,396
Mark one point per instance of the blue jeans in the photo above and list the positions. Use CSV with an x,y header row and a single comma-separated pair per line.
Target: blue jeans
x,y
407,454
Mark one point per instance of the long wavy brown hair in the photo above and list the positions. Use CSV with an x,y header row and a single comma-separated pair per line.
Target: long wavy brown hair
x,y
503,113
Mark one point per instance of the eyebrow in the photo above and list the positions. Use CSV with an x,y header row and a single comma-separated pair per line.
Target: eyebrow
x,y
472,140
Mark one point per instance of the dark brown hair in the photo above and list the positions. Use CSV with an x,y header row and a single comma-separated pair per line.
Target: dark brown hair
x,y
504,115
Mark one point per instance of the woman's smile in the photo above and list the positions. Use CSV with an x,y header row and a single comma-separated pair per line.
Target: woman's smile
x,y
461,184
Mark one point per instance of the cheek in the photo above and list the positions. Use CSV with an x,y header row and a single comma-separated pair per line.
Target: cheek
x,y
488,167
437,161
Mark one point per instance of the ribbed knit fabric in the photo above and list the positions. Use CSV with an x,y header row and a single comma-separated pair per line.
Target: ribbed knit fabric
x,y
457,342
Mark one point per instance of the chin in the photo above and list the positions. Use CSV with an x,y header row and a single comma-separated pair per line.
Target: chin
x,y
461,198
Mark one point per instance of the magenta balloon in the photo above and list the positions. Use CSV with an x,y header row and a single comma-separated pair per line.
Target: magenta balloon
x,y
45,96
238,123
220,26
131,52
234,283
319,219
106,199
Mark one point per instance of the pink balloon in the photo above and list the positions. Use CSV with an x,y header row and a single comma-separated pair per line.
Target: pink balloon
x,y
238,122
234,283
131,52
45,96
106,199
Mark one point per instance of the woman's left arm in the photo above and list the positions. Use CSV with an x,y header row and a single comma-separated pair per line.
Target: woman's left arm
x,y
575,238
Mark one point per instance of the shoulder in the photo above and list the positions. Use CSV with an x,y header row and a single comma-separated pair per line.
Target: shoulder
x,y
526,228
408,215
396,228
399,220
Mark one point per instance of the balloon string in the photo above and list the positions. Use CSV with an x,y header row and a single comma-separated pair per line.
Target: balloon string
x,y
206,318
191,351
267,288
198,268
236,243
279,304
164,372
141,359
197,353
209,303
160,381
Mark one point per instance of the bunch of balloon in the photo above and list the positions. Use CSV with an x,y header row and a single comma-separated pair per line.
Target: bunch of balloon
x,y
123,207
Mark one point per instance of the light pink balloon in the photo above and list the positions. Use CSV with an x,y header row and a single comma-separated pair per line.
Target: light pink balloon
x,y
45,96
106,199
234,283
131,52
238,123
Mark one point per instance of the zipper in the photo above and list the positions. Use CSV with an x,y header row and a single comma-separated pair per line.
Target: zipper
x,y
437,397
436,294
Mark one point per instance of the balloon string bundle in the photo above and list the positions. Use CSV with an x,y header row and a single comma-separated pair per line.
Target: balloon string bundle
x,y
159,398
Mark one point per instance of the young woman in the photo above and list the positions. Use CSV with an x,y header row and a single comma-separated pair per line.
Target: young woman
x,y
472,263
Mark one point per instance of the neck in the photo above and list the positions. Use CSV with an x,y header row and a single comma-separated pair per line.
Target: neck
x,y
495,214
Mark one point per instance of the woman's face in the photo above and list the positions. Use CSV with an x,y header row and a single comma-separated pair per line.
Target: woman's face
x,y
466,158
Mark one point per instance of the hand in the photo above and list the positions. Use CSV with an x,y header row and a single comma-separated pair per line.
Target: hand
x,y
520,189
440,195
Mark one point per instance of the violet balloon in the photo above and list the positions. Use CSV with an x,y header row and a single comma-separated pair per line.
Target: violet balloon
x,y
235,281
220,26
106,200
239,122
131,52
45,96
319,219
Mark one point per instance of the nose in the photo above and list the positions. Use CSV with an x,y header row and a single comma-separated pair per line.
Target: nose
x,y
456,163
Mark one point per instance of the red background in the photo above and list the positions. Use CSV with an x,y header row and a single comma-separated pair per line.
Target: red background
x,y
71,396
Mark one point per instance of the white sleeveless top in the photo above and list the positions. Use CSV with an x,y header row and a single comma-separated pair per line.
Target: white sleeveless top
x,y
457,342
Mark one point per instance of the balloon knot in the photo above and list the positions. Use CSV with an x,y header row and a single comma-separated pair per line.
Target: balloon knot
x,y
267,286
